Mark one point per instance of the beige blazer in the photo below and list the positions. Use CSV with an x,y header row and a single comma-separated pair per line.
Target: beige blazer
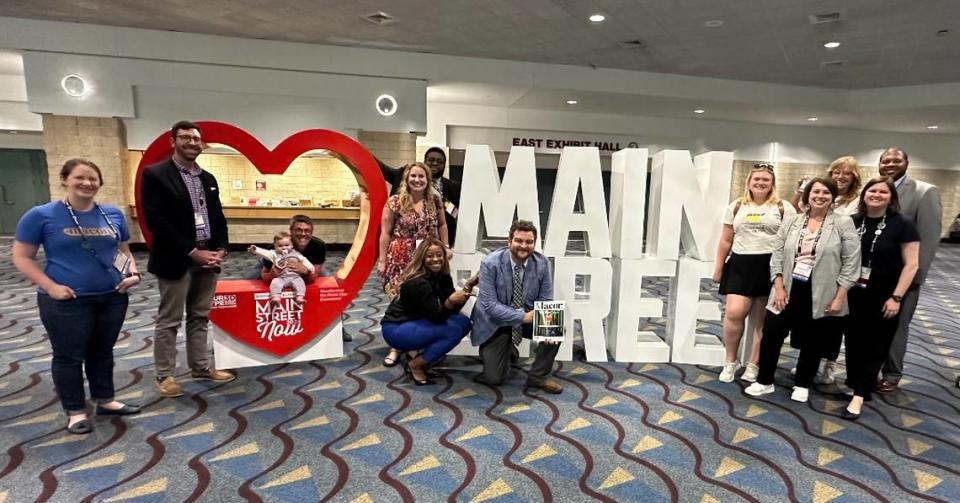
x,y
836,263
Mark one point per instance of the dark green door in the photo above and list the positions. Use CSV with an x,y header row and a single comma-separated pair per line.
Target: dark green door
x,y
23,185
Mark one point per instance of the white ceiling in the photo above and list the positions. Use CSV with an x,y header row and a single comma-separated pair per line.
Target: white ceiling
x,y
884,42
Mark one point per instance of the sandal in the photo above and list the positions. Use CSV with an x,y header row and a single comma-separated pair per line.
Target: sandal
x,y
419,365
392,358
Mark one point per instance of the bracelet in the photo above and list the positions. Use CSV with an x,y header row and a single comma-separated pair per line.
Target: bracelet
x,y
897,298
132,274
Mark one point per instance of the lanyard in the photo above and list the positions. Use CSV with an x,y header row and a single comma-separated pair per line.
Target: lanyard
x,y
84,243
803,232
83,238
876,235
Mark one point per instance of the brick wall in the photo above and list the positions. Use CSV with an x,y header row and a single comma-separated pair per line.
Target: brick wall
x,y
102,141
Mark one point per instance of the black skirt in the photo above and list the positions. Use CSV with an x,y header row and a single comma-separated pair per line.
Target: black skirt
x,y
747,275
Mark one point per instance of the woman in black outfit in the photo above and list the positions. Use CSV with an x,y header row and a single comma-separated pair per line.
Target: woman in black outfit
x,y
426,313
890,248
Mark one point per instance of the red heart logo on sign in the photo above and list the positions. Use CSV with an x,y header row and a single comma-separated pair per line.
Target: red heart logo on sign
x,y
327,298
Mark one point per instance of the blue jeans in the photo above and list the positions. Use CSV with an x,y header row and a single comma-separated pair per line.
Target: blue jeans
x,y
435,339
82,332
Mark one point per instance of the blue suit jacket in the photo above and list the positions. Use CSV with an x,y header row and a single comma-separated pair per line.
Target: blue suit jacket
x,y
492,309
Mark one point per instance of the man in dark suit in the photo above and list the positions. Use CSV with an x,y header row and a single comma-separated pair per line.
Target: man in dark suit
x,y
181,206
511,280
449,190
920,203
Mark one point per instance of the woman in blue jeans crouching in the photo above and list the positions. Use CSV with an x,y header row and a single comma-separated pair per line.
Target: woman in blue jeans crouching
x,y
426,313
83,288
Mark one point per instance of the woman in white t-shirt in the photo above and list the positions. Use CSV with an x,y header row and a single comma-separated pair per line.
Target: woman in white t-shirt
x,y
750,227
845,171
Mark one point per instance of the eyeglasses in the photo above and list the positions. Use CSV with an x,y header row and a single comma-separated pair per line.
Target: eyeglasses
x,y
189,139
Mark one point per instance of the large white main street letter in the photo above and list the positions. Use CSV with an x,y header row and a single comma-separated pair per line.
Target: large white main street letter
x,y
579,169
482,189
590,304
628,197
687,200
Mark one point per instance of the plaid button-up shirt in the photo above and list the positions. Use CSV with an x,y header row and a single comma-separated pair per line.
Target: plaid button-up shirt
x,y
191,178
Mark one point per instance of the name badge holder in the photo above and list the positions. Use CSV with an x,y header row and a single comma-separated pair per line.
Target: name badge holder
x,y
864,280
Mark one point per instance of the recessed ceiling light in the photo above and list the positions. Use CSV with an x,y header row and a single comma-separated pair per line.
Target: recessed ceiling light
x,y
597,18
572,102
714,23
813,119
933,127
699,111
831,44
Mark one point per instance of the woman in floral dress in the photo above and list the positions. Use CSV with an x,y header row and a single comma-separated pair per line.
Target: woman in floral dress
x,y
413,214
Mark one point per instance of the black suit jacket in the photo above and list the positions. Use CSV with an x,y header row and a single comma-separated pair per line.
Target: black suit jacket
x,y
169,216
450,189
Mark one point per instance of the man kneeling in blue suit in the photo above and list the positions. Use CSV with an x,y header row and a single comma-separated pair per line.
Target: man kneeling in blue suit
x,y
511,280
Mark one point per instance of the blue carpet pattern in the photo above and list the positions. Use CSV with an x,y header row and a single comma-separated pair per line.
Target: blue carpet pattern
x,y
351,430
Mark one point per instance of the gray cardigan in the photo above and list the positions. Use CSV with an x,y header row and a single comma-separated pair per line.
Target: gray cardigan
x,y
836,263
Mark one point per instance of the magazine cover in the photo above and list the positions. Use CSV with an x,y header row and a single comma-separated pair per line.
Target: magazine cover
x,y
548,321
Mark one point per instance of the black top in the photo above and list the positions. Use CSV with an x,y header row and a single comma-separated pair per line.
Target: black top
x,y
421,297
168,213
449,190
316,253
886,262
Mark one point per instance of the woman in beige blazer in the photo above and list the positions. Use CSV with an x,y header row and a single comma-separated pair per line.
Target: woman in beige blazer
x,y
816,261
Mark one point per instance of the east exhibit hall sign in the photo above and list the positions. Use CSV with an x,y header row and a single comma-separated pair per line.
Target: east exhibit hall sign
x,y
684,207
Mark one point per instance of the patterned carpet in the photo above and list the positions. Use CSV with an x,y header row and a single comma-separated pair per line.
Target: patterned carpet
x,y
352,430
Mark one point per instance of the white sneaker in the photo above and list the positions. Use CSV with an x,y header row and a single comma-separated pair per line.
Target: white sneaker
x,y
757,389
729,369
829,373
750,375
800,394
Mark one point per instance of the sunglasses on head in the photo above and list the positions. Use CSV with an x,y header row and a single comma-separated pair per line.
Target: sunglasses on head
x,y
763,166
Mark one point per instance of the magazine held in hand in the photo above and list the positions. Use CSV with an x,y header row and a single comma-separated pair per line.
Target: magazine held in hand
x,y
548,321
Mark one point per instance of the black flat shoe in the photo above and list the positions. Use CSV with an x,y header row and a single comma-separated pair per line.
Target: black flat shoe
x,y
850,416
81,427
126,410
389,361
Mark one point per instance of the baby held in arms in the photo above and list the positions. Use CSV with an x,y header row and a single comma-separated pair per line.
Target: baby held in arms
x,y
283,256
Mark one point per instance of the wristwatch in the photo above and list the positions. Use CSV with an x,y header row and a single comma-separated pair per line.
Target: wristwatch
x,y
132,274
897,298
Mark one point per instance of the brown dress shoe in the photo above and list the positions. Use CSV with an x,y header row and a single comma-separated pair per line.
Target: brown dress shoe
x,y
885,386
213,375
169,388
549,385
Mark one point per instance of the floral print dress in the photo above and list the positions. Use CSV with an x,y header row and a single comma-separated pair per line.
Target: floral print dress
x,y
408,228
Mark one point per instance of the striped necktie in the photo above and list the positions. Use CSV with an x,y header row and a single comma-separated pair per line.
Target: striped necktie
x,y
517,303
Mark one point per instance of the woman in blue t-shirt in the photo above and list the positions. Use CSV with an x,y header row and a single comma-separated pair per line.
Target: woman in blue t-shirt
x,y
83,288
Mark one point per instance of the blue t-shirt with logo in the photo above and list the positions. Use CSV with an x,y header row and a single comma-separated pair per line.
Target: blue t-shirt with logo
x,y
69,263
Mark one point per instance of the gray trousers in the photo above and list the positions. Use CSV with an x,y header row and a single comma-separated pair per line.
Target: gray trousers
x,y
893,368
193,293
498,352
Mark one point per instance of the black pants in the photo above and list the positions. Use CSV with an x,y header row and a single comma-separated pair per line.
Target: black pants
x,y
869,336
812,337
498,352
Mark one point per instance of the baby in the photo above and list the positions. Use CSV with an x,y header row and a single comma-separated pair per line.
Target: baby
x,y
282,255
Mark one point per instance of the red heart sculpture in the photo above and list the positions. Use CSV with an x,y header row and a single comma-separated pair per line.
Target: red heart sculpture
x,y
328,299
